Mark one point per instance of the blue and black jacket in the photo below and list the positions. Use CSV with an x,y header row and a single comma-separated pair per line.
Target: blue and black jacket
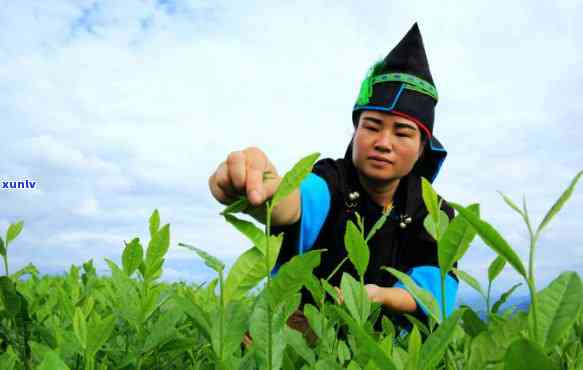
x,y
325,210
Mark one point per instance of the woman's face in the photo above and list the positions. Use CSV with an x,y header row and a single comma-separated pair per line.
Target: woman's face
x,y
385,146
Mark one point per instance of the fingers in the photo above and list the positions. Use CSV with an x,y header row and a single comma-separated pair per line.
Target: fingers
x,y
236,167
256,165
242,174
221,186
247,341
340,295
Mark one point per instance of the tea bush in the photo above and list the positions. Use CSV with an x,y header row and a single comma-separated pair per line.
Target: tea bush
x,y
131,320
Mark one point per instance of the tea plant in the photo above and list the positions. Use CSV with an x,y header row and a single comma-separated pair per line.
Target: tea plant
x,y
238,321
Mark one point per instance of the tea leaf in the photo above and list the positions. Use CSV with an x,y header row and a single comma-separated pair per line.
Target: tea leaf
x,y
28,269
293,275
436,344
249,269
163,330
132,256
356,247
430,199
8,361
2,248
296,340
80,328
327,364
212,262
200,318
504,297
259,327
355,298
294,177
52,361
153,270
343,352
252,232
10,297
490,346
13,231
423,329
99,334
470,280
237,206
246,273
436,229
367,344
158,246
511,203
558,307
315,288
496,268
414,348
377,226
388,328
330,290
492,238
455,240
422,296
154,222
472,323
559,203
526,355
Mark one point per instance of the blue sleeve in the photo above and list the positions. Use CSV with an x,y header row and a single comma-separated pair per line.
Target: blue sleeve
x,y
429,278
315,198
315,205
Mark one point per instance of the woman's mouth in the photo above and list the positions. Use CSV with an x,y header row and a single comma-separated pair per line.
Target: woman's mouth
x,y
379,160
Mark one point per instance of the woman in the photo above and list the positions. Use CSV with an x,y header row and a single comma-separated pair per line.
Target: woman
x,y
392,148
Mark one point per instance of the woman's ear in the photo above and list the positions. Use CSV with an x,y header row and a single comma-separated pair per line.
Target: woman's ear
x,y
421,150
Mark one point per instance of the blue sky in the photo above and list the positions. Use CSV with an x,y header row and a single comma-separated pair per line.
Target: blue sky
x,y
118,108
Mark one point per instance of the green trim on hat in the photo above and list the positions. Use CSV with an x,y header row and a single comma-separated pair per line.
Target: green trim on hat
x,y
366,86
411,83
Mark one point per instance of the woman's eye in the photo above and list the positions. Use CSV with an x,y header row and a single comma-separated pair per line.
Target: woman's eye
x,y
371,128
400,134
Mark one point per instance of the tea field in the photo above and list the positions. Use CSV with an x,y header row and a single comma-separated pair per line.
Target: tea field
x,y
132,320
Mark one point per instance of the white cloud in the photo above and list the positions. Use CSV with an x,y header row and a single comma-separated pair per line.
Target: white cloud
x,y
87,207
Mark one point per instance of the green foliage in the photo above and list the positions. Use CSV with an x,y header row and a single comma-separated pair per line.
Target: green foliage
x,y
559,305
11,234
456,240
492,238
422,296
294,177
559,203
496,268
249,270
356,247
355,298
209,260
504,297
131,320
526,355
132,257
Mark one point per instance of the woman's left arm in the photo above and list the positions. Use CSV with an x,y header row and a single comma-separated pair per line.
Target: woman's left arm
x,y
395,299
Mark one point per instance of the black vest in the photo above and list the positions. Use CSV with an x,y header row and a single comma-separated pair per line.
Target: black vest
x,y
392,245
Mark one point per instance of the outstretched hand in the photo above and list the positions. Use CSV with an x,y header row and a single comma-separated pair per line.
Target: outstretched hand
x,y
242,173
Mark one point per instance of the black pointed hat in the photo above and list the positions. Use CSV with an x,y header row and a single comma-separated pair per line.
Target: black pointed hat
x,y
401,84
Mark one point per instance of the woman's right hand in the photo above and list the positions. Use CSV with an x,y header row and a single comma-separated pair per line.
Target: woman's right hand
x,y
242,174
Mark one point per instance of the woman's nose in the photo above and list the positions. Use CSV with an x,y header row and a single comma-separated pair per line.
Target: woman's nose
x,y
384,142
